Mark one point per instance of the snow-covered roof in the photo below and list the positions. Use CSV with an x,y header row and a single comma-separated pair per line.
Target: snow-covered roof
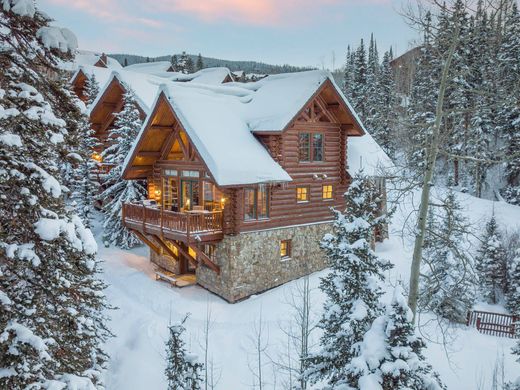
x,y
220,121
365,153
144,86
101,74
213,76
88,58
232,153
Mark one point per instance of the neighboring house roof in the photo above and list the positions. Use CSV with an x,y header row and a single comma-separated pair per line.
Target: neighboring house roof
x,y
366,154
213,76
101,74
89,58
220,121
144,86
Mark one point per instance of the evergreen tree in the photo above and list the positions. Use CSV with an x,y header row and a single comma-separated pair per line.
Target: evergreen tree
x,y
175,63
372,87
448,285
85,184
118,191
200,63
385,118
51,301
509,112
402,366
513,287
91,89
421,112
348,75
352,287
183,372
185,64
125,63
359,82
491,265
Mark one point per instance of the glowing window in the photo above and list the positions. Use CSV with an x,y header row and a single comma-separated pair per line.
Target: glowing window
x,y
302,194
327,191
285,249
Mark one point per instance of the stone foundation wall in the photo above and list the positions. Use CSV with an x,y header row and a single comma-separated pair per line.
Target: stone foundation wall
x,y
165,261
250,262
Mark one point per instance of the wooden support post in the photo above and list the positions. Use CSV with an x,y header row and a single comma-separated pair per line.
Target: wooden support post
x,y
166,247
144,219
206,260
181,251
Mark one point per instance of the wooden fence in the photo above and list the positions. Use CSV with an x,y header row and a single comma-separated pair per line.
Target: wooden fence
x,y
495,324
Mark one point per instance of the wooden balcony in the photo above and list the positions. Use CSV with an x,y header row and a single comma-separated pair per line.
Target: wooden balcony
x,y
188,227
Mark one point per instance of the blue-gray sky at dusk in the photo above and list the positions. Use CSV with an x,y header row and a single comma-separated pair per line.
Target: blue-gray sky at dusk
x,y
297,32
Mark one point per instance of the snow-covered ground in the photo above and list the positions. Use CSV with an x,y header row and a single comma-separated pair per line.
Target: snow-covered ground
x,y
145,308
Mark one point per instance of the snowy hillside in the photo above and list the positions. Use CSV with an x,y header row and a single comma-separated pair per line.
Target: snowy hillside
x,y
146,307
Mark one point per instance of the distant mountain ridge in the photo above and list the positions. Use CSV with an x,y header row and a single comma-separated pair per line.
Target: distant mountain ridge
x,y
246,66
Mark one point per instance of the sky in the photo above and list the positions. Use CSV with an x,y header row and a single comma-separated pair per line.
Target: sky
x,y
297,32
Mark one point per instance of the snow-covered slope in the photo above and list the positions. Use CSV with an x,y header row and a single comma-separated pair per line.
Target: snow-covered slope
x,y
147,306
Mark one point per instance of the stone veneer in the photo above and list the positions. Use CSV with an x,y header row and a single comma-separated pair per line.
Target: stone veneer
x,y
250,262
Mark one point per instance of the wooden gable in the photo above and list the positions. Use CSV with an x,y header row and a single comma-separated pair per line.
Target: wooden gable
x,y
163,140
109,103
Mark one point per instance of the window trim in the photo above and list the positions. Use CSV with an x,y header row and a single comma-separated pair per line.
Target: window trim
x,y
288,249
307,193
331,192
311,135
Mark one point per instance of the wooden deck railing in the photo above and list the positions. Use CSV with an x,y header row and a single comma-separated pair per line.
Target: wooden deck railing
x,y
495,324
188,224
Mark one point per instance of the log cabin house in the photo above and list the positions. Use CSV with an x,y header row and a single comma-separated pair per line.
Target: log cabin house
x,y
243,177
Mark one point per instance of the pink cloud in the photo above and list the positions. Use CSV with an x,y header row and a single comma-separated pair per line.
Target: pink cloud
x,y
109,10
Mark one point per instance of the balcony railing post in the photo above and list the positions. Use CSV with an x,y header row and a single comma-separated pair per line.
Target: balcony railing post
x,y
144,218
161,220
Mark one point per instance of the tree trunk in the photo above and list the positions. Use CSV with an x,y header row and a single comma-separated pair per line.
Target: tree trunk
x,y
431,158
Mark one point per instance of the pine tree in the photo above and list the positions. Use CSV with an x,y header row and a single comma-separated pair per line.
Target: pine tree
x,y
117,190
513,286
491,265
508,117
183,372
91,89
403,366
351,287
385,118
185,64
359,86
348,75
421,112
175,63
372,86
52,324
200,63
448,286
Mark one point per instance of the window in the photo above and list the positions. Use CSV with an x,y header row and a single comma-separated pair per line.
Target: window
x,y
256,203
190,173
305,146
310,147
285,249
170,172
327,191
302,194
317,147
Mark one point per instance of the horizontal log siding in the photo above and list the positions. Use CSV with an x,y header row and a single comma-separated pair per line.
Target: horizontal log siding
x,y
284,210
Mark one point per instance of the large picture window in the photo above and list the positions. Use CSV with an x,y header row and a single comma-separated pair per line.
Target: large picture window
x,y
310,147
256,203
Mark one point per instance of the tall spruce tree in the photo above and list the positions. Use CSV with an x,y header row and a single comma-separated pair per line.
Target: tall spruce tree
x,y
183,371
491,266
371,91
91,89
348,74
448,287
359,81
117,190
51,301
352,287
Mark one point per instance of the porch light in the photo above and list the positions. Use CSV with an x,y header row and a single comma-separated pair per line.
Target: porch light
x,y
157,192
222,202
97,157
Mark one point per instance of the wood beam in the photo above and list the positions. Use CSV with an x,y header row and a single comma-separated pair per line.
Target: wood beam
x,y
162,128
149,154
141,168
144,239
166,248
206,260
168,143
183,252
